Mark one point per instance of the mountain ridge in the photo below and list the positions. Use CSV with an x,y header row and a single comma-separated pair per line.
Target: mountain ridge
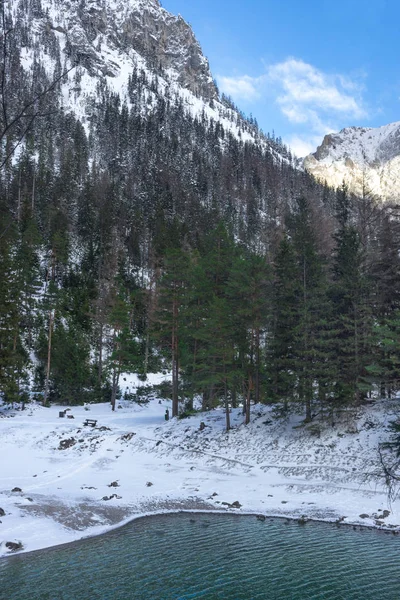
x,y
366,159
88,33
107,41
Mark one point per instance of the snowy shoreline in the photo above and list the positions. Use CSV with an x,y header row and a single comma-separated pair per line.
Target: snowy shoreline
x,y
77,482
237,514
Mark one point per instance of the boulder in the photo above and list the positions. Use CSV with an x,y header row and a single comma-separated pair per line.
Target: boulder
x,y
67,443
14,546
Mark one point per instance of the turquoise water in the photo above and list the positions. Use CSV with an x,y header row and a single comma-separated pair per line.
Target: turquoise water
x,y
211,557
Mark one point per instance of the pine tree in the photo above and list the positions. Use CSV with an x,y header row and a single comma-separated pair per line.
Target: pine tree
x,y
14,357
285,310
310,354
210,293
385,299
248,292
216,362
351,315
124,348
169,315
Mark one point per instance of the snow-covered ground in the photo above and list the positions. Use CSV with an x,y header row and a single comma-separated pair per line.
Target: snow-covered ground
x,y
78,480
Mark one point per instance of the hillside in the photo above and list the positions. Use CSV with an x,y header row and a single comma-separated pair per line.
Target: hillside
x,y
117,151
63,481
131,106
100,45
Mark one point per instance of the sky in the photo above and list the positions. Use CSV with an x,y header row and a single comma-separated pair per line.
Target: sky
x,y
302,68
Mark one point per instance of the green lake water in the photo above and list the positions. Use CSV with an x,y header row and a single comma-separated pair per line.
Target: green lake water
x,y
209,556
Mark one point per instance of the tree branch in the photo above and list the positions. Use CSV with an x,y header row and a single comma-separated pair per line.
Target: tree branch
x,y
35,99
391,478
3,70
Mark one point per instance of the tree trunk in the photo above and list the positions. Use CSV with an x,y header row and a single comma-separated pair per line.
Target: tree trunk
x,y
46,388
100,367
175,381
308,408
175,363
248,398
357,393
33,192
116,372
146,352
19,198
114,387
204,401
227,415
257,372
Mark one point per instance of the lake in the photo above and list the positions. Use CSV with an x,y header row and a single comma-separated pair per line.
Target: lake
x,y
211,556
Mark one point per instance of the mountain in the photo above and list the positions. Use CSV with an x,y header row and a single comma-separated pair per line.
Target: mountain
x,y
366,159
107,37
147,224
123,91
99,42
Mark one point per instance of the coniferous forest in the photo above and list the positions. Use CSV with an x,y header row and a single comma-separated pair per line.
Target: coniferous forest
x,y
153,239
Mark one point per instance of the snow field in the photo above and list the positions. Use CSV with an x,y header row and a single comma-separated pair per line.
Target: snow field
x,y
77,480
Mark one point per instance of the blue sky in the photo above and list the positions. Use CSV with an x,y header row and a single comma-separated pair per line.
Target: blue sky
x,y
303,68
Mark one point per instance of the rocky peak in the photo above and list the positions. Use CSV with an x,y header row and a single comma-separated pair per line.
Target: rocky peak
x,y
329,142
168,42
98,31
367,159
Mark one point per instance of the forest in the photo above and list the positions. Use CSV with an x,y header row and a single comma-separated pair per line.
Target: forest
x,y
150,240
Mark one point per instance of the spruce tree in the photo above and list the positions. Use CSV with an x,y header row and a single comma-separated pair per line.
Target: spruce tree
x,y
169,315
351,314
310,353
285,310
248,292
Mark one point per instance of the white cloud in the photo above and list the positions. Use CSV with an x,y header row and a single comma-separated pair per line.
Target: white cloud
x,y
313,102
305,87
303,145
241,88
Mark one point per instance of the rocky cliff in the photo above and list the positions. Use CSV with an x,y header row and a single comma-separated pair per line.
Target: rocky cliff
x,y
102,34
366,159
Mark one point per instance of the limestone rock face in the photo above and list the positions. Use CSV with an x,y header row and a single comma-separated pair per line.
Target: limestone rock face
x,y
97,32
366,159
170,42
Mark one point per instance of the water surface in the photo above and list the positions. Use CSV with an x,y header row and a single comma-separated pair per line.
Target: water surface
x,y
221,557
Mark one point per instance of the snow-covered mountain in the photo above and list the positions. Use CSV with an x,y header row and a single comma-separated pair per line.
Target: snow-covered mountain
x,y
105,34
107,40
366,159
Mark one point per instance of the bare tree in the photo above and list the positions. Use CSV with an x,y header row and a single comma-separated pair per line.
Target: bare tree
x,y
390,464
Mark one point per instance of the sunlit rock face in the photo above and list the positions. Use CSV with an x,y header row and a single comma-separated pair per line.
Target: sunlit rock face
x,y
366,159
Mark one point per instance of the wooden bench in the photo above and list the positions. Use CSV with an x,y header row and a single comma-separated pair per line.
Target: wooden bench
x,y
90,422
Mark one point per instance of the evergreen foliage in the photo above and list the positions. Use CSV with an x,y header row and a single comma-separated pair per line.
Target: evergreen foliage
x,y
148,238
